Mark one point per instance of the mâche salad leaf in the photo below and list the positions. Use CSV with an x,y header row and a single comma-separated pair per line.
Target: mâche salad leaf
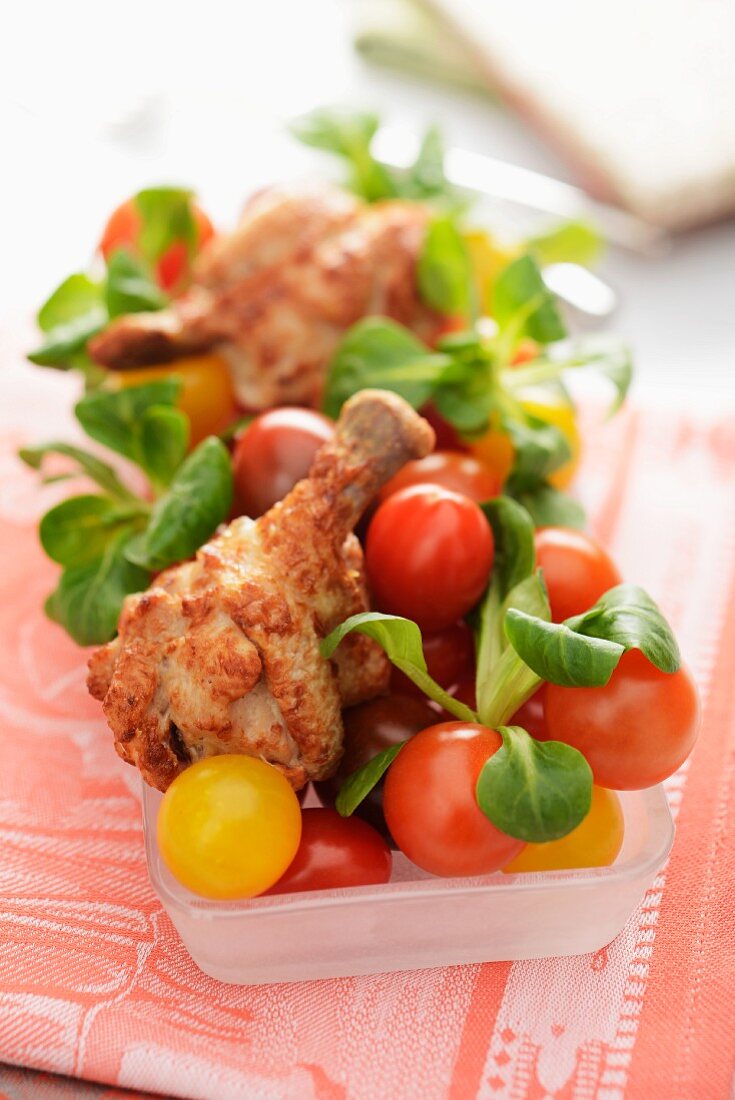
x,y
166,216
197,501
536,791
378,352
140,423
524,306
402,642
89,597
109,543
88,465
585,650
129,288
572,242
359,784
444,272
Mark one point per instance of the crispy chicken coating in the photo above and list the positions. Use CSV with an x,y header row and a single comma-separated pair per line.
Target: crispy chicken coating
x,y
221,654
276,296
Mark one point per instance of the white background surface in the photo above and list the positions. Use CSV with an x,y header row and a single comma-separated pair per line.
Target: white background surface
x,y
97,100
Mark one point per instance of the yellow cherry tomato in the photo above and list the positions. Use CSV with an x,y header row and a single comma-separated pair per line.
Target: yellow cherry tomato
x,y
496,450
229,826
487,258
594,843
207,396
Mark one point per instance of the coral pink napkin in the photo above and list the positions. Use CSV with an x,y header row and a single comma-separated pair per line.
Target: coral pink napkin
x,y
95,983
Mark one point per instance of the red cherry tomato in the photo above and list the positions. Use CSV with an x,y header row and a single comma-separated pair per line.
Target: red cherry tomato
x,y
450,657
460,473
429,554
430,803
370,728
123,231
335,851
576,569
635,731
274,452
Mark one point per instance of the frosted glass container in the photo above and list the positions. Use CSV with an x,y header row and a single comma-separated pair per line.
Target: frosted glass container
x,y
417,920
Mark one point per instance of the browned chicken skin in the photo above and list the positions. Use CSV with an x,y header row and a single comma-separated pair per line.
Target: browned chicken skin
x,y
222,654
275,296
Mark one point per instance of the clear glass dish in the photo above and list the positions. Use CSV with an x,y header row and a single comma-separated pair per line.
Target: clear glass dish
x,y
417,920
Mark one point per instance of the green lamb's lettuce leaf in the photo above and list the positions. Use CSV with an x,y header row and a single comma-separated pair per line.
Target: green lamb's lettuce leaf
x,y
572,242
513,536
426,179
540,448
164,438
558,654
504,680
198,500
129,422
547,506
68,339
585,650
401,640
534,790
359,784
88,599
166,216
378,352
77,531
628,616
523,305
444,271
129,287
88,466
75,297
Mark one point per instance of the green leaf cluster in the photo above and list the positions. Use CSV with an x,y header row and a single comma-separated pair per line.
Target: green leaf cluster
x,y
109,543
349,135
469,377
81,306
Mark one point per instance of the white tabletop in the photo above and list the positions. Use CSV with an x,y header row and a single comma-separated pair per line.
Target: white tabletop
x,y
90,112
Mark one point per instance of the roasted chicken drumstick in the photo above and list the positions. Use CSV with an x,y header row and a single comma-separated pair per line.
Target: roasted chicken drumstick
x,y
275,296
221,654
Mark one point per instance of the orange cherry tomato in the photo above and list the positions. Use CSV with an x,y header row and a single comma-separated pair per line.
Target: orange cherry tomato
x,y
459,472
595,842
207,396
576,569
430,803
636,730
123,231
